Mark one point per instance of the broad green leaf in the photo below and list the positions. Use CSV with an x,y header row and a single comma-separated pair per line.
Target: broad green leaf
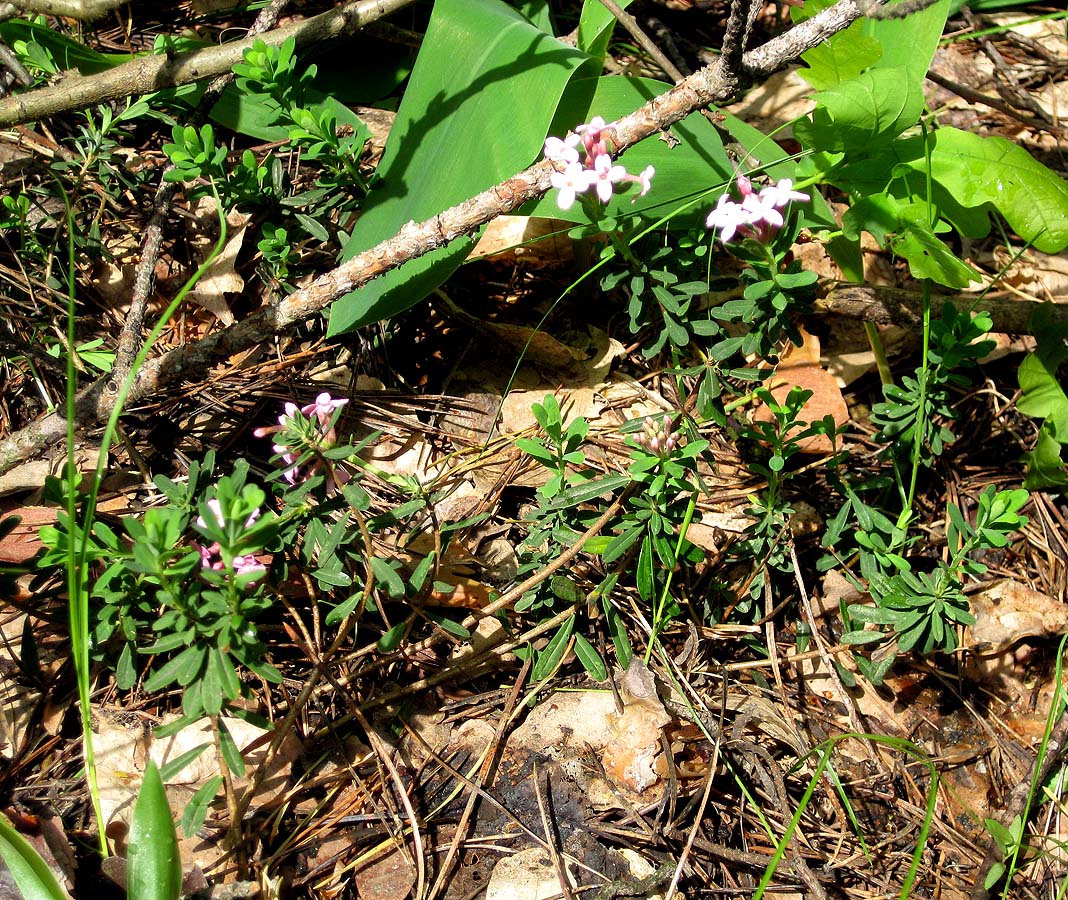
x,y
67,53
969,173
596,24
257,116
477,109
910,42
1043,395
154,867
841,58
978,170
874,43
695,166
871,108
538,12
1045,466
29,871
929,257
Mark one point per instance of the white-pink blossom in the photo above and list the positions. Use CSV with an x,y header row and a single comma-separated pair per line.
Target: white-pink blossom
x,y
729,217
781,194
573,181
605,175
562,151
645,179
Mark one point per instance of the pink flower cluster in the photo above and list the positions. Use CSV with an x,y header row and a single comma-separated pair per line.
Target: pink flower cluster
x,y
595,171
656,438
210,556
293,422
757,215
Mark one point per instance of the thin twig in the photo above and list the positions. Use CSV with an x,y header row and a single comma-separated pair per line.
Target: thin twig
x,y
974,96
644,41
709,85
148,74
129,342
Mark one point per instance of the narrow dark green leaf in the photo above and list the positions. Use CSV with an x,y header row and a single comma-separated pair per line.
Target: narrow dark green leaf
x,y
591,660
29,871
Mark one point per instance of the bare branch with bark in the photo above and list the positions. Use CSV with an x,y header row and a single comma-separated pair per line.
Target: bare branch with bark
x,y
711,85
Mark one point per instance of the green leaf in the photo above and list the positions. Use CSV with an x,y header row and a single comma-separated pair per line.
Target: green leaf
x,y
1045,466
840,58
392,638
231,755
909,43
872,108
154,867
862,637
929,257
387,576
549,658
67,53
258,116
590,659
30,872
448,625
174,766
645,574
197,811
683,172
1042,394
596,24
476,110
978,170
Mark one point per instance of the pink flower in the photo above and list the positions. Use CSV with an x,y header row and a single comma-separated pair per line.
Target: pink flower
x,y
323,408
758,216
573,181
781,194
562,151
645,179
729,217
244,565
762,213
213,505
605,175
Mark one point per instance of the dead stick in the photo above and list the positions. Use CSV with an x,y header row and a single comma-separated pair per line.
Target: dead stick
x,y
147,74
1011,314
712,84
145,275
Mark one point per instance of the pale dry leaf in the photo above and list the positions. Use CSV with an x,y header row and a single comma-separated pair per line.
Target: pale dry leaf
x,y
528,240
220,279
1007,612
526,875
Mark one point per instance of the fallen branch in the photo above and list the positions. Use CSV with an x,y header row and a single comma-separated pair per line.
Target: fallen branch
x,y
1010,313
711,85
147,74
72,9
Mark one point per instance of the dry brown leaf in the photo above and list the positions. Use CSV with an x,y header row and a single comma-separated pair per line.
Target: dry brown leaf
x,y
22,542
1008,612
220,279
800,367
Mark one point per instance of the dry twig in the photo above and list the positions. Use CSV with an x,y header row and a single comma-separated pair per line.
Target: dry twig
x,y
712,84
